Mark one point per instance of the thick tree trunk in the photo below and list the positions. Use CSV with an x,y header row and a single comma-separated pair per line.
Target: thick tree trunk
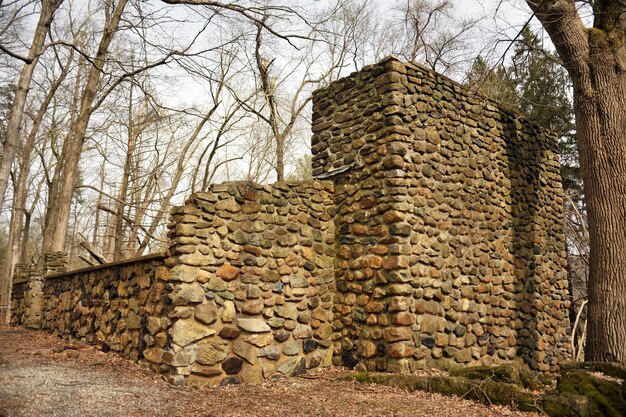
x,y
58,213
596,61
14,254
601,137
15,229
48,8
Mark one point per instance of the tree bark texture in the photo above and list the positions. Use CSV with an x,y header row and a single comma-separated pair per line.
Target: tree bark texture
x,y
58,213
596,61
19,213
48,8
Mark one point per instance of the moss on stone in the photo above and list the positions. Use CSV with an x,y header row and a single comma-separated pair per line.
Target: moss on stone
x,y
607,397
564,405
484,391
613,369
578,392
509,373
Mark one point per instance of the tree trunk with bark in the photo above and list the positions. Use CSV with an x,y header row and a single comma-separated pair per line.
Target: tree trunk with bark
x,y
596,61
48,8
58,213
269,90
121,198
19,213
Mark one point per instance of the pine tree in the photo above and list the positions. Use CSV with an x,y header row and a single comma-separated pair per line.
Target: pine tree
x,y
544,97
535,85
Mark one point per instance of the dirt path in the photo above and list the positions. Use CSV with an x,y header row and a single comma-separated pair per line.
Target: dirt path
x,y
42,375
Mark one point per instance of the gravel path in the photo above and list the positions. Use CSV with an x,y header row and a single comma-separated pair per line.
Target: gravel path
x,y
42,375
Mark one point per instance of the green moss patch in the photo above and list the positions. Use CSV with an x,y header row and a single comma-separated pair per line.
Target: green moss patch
x,y
582,390
486,392
607,397
615,370
508,373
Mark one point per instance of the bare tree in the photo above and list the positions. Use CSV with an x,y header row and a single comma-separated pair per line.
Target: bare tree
x,y
11,140
63,188
428,31
19,212
595,58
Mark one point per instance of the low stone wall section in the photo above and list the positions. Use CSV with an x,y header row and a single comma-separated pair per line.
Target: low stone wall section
x,y
252,282
19,294
118,306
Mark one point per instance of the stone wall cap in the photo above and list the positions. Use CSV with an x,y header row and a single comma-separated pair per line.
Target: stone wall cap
x,y
457,86
145,258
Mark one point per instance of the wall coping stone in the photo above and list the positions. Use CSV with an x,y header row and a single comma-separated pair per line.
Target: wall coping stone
x,y
501,106
145,258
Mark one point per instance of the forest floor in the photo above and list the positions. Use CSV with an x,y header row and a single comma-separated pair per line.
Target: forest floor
x,y
43,375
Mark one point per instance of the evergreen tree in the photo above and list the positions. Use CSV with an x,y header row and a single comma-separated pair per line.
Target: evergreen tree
x,y
543,88
495,83
535,85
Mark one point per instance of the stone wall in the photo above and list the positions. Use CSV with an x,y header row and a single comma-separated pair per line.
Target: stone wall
x,y
18,294
434,238
117,306
450,240
252,282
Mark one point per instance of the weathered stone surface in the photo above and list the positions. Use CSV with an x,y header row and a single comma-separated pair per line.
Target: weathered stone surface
x,y
302,331
188,293
216,284
184,273
246,351
180,358
394,334
431,324
154,355
252,374
232,365
292,347
206,313
281,335
287,311
298,281
133,321
229,313
324,332
287,366
186,331
229,332
252,307
253,325
401,350
211,353
230,380
270,352
260,339
227,272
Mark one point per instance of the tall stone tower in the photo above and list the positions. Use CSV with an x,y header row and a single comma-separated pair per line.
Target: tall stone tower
x,y
449,229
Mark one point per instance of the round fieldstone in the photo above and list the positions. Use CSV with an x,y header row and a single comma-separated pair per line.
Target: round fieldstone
x,y
429,341
232,365
310,345
229,332
230,380
206,313
281,335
